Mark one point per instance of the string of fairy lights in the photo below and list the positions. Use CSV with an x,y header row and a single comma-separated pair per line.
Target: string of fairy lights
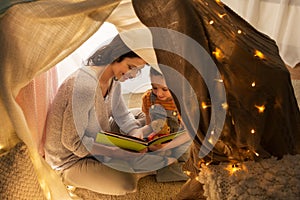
x,y
233,166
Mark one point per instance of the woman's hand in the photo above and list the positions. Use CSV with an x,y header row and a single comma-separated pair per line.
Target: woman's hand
x,y
141,132
137,133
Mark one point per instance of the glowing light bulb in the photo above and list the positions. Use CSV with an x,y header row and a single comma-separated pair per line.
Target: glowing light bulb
x,y
221,15
259,54
211,22
218,53
210,140
239,31
187,173
253,84
233,168
225,106
204,105
261,109
208,163
252,131
218,1
219,80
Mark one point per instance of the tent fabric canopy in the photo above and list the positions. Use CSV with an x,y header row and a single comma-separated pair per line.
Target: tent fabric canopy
x,y
34,37
247,133
5,4
37,35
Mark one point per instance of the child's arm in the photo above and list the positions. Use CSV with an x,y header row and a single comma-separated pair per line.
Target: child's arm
x,y
148,120
145,107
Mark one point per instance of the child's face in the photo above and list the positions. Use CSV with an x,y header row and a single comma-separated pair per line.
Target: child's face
x,y
160,89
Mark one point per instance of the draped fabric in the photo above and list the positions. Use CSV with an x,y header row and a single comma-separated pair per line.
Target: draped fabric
x,y
34,99
276,18
5,4
262,116
34,36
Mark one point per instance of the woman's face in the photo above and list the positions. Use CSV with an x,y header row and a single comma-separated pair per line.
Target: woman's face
x,y
128,68
160,89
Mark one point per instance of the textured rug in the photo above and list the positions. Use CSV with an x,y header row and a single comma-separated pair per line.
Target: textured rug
x,y
268,179
18,180
148,189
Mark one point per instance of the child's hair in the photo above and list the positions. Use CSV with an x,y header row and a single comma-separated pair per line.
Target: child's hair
x,y
154,72
115,51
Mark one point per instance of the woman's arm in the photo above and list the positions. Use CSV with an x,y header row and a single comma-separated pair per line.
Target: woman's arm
x,y
120,112
80,94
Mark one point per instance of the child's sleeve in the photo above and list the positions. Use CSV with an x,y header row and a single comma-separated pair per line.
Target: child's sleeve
x,y
146,106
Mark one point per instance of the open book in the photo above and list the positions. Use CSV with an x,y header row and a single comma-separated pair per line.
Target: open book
x,y
133,143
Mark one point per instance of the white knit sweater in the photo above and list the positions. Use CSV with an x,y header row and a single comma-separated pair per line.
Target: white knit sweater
x,y
77,113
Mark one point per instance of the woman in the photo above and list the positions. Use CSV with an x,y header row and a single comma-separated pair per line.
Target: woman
x,y
84,104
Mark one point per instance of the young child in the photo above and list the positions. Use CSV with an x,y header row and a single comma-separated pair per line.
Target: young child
x,y
164,118
159,107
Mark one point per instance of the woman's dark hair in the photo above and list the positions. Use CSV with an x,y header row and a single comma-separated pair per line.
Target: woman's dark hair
x,y
115,51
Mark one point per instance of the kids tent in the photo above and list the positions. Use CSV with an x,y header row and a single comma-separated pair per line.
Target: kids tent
x,y
232,87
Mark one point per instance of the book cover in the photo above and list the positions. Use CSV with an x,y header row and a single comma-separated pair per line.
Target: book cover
x,y
133,143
